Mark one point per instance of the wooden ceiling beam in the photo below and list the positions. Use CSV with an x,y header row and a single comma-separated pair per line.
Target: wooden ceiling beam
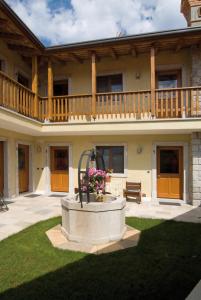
x,y
179,45
63,59
21,48
75,57
3,21
9,35
114,53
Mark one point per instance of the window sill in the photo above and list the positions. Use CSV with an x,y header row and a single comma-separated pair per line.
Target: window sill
x,y
119,175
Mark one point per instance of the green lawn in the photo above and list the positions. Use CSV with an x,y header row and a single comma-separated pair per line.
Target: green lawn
x,y
166,264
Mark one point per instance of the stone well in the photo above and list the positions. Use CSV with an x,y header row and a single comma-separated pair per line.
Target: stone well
x,y
96,222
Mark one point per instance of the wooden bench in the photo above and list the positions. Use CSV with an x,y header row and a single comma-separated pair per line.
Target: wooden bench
x,y
133,190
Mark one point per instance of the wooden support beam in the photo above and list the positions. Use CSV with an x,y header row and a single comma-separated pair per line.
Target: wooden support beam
x,y
11,36
93,83
114,53
153,79
35,84
50,88
156,47
91,52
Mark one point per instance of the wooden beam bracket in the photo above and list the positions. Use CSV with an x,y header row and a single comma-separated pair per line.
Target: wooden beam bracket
x,y
114,53
133,51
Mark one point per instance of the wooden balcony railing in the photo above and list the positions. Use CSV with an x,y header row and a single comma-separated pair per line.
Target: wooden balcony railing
x,y
123,104
178,103
71,107
15,96
169,103
42,108
65,108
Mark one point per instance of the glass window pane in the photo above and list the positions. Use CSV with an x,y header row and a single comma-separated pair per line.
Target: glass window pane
x,y
60,88
109,83
169,161
2,65
102,84
23,80
113,157
167,81
118,159
116,83
21,158
61,159
106,155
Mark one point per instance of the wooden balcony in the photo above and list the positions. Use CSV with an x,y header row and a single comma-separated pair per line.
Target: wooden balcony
x,y
182,102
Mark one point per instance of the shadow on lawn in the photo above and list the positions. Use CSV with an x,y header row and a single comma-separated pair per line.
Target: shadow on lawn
x,y
166,264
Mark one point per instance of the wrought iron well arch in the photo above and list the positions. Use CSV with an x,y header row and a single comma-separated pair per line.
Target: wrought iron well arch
x,y
90,155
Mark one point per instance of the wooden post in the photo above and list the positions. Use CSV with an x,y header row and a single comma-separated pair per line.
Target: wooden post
x,y
153,80
50,88
35,84
93,81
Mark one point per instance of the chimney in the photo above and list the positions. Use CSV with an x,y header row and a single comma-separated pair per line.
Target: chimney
x,y
191,10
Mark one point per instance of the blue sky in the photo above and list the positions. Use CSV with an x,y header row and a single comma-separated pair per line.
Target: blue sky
x,y
57,22
56,4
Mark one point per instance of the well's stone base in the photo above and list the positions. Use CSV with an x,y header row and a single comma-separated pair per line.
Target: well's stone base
x,y
94,223
58,240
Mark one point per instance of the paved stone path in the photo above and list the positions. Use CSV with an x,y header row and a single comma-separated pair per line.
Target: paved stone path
x,y
184,213
25,211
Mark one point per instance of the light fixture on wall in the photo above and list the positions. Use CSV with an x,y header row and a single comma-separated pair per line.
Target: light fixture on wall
x,y
139,149
38,148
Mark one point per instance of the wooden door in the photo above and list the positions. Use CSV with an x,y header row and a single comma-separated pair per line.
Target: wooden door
x,y
170,172
59,169
1,167
23,168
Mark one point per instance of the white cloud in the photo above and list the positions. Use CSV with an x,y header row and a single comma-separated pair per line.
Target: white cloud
x,y
93,19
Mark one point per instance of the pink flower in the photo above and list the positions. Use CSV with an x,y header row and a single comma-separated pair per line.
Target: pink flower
x,y
84,188
92,171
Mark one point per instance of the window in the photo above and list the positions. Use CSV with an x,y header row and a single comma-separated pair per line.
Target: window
x,y
61,159
110,83
199,12
168,79
113,157
2,65
60,87
23,80
21,158
169,161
